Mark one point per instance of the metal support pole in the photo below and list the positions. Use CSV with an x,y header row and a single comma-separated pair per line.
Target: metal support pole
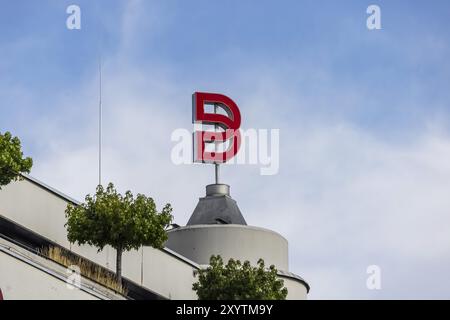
x,y
217,172
100,123
216,165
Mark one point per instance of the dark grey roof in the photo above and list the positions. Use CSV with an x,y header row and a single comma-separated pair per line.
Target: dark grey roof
x,y
217,208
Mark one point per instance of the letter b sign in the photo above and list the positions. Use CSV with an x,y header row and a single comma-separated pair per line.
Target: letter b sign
x,y
230,123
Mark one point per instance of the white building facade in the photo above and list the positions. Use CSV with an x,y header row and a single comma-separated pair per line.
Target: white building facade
x,y
32,210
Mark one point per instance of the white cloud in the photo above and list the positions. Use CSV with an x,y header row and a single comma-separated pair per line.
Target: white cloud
x,y
350,200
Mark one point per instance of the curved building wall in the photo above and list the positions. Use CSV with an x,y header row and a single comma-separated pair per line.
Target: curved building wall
x,y
199,242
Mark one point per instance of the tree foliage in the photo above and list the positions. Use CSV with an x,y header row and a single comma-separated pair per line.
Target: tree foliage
x,y
123,222
12,161
237,281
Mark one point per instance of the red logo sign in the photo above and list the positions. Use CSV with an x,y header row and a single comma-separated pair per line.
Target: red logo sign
x,y
230,123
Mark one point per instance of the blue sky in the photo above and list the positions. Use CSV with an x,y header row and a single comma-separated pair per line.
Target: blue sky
x,y
363,118
403,68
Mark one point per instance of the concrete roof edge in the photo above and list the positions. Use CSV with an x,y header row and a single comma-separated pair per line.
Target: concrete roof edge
x,y
180,257
293,276
88,286
50,189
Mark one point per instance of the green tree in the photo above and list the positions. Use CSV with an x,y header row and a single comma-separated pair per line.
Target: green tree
x,y
12,161
123,222
237,281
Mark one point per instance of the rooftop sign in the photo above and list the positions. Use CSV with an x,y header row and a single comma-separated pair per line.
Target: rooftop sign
x,y
229,123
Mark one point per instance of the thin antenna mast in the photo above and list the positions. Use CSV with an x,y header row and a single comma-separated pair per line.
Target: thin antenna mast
x,y
216,165
100,123
100,113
